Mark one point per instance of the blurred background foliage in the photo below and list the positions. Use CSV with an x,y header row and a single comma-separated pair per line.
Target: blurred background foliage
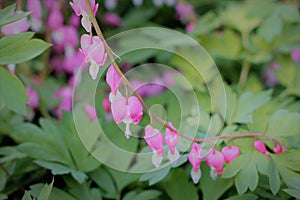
x,y
253,44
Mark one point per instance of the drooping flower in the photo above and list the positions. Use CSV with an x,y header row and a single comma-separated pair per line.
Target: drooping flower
x,y
55,19
279,149
295,55
80,9
230,153
65,94
260,146
112,19
91,111
113,80
33,98
106,105
127,111
215,160
154,140
195,158
94,52
16,27
185,11
171,139
35,7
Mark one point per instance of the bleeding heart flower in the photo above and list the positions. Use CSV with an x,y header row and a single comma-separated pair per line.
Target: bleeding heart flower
x,y
230,153
215,160
35,7
55,19
260,146
91,111
127,111
295,55
278,149
33,98
94,52
154,140
112,19
80,9
195,158
113,80
106,105
171,139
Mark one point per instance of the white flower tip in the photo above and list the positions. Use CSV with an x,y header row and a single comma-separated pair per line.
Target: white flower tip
x,y
156,159
173,157
93,70
213,174
196,175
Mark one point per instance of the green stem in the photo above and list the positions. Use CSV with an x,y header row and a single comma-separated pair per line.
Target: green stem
x,y
152,115
244,73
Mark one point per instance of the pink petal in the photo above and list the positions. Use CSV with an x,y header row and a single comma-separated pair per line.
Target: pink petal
x,y
119,109
91,111
171,138
113,79
106,105
215,159
260,146
135,109
33,98
195,156
230,153
154,139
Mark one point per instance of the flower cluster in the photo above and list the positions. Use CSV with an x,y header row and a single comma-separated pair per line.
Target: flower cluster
x,y
124,109
92,48
215,159
155,141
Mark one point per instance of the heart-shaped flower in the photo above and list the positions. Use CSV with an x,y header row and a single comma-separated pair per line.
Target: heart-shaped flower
x,y
230,153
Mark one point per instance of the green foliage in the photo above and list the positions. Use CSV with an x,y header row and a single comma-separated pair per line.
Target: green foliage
x,y
7,15
20,47
12,93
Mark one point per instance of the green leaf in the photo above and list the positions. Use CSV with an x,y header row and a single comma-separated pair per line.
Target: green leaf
x,y
122,179
144,195
270,28
234,166
178,183
293,192
284,123
12,92
26,196
247,196
104,180
13,18
274,178
213,189
247,178
45,192
155,176
20,47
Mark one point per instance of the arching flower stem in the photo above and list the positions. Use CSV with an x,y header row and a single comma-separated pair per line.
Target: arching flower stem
x,y
111,54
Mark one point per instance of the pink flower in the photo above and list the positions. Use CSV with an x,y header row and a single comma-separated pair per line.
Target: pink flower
x,y
94,52
33,98
215,160
35,7
127,111
106,105
195,158
72,63
113,79
16,27
55,19
154,140
74,20
260,146
91,111
230,153
295,55
112,19
171,139
190,27
185,11
278,149
80,9
65,94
